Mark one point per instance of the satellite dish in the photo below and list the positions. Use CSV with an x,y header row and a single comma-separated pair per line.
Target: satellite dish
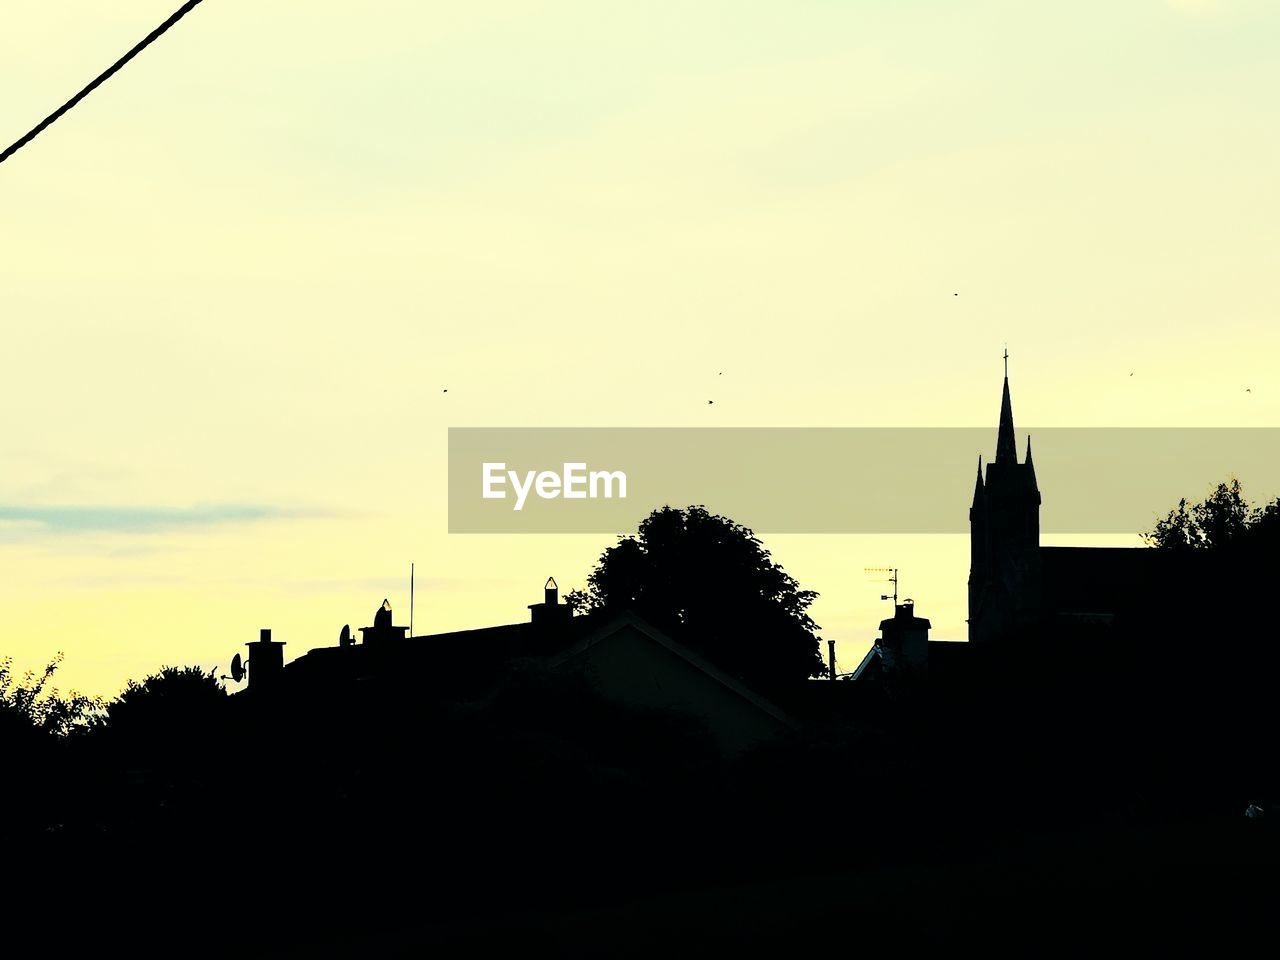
x,y
344,638
237,668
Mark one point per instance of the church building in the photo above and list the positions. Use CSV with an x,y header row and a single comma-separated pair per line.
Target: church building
x,y
1015,584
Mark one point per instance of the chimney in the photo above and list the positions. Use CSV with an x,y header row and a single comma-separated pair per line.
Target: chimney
x,y
384,628
266,660
551,610
906,636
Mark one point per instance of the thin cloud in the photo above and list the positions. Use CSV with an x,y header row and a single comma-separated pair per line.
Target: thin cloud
x,y
22,522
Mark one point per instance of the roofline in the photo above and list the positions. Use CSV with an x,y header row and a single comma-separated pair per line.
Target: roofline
x,y
653,633
866,660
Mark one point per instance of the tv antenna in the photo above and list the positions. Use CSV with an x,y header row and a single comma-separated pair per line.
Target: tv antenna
x,y
892,578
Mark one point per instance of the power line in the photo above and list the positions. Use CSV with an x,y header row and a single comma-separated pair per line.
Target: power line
x,y
146,41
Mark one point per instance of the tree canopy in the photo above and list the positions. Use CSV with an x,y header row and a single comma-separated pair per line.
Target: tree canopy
x,y
173,693
31,704
172,713
710,583
1223,518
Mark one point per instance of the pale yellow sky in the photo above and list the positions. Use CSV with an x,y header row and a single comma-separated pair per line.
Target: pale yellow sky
x,y
235,281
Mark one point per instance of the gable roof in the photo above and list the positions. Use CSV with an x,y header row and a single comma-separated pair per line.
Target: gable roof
x,y
655,635
872,655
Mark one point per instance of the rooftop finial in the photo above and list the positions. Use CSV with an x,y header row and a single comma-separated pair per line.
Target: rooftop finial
x,y
1006,361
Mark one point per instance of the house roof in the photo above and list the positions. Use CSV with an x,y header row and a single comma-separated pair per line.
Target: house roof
x,y
614,625
872,655
439,659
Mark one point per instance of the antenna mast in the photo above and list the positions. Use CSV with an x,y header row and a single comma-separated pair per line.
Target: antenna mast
x,y
411,598
891,579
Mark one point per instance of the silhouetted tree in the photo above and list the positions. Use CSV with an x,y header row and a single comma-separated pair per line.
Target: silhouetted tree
x,y
1223,518
156,754
174,695
710,583
1214,725
32,705
167,715
36,723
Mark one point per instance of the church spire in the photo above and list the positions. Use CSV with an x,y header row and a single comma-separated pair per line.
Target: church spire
x,y
1006,444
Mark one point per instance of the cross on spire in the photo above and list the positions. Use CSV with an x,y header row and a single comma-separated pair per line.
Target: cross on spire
x,y
1006,361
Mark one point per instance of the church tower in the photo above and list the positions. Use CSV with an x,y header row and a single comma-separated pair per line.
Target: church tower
x,y
1004,535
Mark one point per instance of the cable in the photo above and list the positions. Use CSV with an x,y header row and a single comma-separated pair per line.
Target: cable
x,y
101,78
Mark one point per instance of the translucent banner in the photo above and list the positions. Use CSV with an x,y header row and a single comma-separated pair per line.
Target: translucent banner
x,y
836,480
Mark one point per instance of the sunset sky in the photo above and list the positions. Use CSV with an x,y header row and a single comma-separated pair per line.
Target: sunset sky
x,y
237,280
